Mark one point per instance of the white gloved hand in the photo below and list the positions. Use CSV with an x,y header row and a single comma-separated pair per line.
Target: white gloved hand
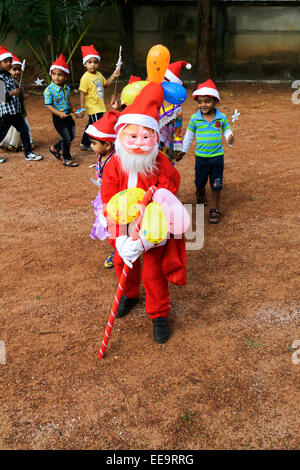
x,y
129,250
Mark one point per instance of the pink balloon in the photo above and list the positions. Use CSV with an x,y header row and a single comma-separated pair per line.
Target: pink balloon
x,y
174,211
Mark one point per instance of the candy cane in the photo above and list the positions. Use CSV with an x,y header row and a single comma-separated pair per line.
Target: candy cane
x,y
112,316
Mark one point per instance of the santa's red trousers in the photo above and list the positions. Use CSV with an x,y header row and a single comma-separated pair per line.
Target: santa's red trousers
x,y
154,282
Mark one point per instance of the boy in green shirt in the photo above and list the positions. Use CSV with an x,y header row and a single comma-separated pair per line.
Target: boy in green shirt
x,y
207,124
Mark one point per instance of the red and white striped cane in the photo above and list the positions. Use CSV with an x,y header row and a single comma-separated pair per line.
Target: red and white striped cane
x,y
111,319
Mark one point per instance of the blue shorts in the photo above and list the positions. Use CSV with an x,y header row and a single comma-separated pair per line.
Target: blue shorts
x,y
212,167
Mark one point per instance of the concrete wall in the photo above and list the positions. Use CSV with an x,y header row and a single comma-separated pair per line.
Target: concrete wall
x,y
261,42
250,42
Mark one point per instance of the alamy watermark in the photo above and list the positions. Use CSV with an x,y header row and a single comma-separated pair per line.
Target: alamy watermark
x,y
183,221
2,353
296,94
296,354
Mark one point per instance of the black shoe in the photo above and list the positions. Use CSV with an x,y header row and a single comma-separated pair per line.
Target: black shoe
x,y
160,330
55,152
125,305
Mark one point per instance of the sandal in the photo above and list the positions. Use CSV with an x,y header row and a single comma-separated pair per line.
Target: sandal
x,y
68,162
214,216
55,152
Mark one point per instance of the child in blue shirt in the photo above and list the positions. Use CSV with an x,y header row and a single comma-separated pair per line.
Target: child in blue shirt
x,y
57,100
207,124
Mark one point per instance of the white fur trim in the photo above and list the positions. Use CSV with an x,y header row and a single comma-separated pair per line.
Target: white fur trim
x,y
139,119
93,132
207,91
88,57
166,119
16,62
132,179
59,67
172,77
6,55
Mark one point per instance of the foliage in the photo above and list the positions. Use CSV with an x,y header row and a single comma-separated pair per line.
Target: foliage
x,y
49,27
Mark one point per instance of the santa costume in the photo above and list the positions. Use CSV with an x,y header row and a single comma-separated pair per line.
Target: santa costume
x,y
143,169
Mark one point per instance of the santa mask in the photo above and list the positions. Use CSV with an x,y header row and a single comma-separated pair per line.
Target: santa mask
x,y
137,148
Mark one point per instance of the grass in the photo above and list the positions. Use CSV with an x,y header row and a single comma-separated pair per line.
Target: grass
x,y
252,343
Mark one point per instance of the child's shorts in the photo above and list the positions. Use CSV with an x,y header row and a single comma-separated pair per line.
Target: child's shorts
x,y
212,167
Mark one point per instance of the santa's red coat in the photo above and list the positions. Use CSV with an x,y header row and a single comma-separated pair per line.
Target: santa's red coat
x,y
161,264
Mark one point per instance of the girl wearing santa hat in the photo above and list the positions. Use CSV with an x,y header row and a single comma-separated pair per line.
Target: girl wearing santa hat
x,y
207,125
12,140
102,136
57,100
91,89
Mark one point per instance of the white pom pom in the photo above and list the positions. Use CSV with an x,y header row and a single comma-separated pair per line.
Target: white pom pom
x,y
188,66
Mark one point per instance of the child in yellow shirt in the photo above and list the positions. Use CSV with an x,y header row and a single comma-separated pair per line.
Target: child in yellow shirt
x,y
91,89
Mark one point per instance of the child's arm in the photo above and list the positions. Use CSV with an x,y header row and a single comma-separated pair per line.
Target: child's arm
x,y
56,112
115,103
82,102
228,134
187,140
112,77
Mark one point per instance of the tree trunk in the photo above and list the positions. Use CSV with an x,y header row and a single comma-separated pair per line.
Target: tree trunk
x,y
128,49
204,43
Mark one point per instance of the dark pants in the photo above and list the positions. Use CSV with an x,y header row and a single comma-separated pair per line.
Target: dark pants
x,y
211,167
17,121
66,129
92,118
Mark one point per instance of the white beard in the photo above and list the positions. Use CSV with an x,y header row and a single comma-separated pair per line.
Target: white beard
x,y
144,163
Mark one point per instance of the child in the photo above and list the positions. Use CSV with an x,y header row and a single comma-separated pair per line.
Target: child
x,y
102,136
91,89
11,110
57,100
12,140
208,124
170,116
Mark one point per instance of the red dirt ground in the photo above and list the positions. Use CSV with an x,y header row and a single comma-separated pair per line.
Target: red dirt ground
x,y
225,379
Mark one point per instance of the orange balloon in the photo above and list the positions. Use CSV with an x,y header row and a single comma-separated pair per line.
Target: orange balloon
x,y
158,59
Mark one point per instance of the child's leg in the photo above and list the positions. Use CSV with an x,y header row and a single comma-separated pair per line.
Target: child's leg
x,y
201,177
5,123
216,184
85,141
63,127
21,126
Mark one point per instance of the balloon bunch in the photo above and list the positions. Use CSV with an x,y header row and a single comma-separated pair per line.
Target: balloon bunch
x,y
157,62
165,214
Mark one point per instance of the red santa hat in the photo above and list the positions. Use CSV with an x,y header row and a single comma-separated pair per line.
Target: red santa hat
x,y
144,109
206,88
4,53
174,69
133,79
103,129
16,61
88,52
61,64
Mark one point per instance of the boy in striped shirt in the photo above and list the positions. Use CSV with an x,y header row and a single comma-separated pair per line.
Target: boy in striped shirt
x,y
207,124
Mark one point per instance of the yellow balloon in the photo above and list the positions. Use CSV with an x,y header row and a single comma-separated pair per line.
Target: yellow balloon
x,y
154,226
124,206
131,90
158,59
